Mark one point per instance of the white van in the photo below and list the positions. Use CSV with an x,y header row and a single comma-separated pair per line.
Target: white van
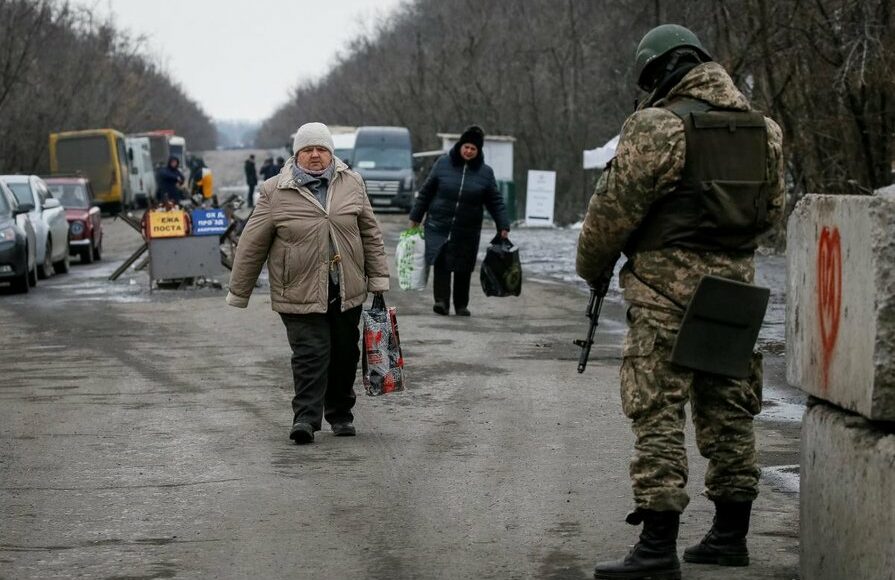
x,y
177,148
343,143
142,173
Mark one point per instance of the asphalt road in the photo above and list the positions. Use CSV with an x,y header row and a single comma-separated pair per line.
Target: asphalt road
x,y
146,436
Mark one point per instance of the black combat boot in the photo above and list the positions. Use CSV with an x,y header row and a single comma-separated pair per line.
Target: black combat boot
x,y
654,557
725,544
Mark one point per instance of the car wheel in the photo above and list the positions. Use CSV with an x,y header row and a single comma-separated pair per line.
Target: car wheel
x,y
87,254
63,265
32,276
98,251
20,284
46,269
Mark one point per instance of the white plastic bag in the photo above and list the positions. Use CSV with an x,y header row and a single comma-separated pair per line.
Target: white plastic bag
x,y
410,256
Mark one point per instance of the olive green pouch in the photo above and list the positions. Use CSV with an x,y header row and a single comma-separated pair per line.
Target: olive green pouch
x,y
720,327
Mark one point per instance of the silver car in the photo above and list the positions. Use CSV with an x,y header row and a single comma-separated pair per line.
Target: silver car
x,y
48,218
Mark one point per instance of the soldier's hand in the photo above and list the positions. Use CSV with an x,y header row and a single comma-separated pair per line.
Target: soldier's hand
x,y
601,284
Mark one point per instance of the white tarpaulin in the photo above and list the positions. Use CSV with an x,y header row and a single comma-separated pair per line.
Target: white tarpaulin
x,y
599,157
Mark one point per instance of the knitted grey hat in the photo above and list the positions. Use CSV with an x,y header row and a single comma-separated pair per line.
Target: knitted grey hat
x,y
311,134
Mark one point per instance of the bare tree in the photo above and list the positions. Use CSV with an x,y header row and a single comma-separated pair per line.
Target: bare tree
x,y
62,69
557,75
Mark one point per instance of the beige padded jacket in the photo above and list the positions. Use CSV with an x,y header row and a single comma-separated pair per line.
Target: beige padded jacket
x,y
290,230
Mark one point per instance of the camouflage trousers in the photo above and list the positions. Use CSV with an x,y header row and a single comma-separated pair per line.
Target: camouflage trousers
x,y
654,393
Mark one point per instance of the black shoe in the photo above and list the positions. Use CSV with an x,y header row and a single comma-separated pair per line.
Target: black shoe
x,y
440,308
462,311
302,433
725,544
654,557
344,429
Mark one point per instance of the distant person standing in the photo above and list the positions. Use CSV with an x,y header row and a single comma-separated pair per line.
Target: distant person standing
x,y
452,199
170,182
195,165
268,169
204,182
251,178
280,164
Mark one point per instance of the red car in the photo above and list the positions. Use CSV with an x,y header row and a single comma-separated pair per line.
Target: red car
x,y
85,226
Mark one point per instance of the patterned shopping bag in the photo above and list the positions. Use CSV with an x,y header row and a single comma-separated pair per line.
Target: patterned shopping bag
x,y
383,363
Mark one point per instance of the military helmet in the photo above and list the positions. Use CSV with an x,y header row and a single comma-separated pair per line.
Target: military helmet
x,y
660,41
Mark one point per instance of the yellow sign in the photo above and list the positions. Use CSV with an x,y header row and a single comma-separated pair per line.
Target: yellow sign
x,y
167,224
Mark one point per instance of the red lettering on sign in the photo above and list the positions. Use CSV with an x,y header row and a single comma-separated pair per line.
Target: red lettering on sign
x,y
829,295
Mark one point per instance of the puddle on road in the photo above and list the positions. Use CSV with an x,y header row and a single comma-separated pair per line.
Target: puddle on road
x,y
781,410
91,284
781,478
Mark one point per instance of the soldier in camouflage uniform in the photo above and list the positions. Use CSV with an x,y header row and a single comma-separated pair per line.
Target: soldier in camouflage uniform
x,y
644,207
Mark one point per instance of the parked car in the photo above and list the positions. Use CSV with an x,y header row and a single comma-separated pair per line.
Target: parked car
x,y
18,261
85,224
48,218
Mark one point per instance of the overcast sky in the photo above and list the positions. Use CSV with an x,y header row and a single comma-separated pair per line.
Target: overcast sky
x,y
239,59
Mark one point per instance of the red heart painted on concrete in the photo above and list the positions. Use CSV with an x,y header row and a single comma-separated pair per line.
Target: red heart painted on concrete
x,y
829,294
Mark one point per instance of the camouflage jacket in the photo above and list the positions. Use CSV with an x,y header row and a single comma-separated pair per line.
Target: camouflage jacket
x,y
648,165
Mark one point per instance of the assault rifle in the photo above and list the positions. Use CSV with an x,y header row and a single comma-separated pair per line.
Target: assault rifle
x,y
594,305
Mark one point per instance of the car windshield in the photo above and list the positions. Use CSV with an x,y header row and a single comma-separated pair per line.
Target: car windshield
x,y
70,195
23,192
382,158
4,205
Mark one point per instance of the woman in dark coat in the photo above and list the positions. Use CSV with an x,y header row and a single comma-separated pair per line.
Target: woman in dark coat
x,y
452,199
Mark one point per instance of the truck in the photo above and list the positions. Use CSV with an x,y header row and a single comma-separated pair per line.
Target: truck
x,y
163,144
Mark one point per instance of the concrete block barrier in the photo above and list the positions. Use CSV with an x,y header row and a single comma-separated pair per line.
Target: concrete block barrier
x,y
840,311
847,497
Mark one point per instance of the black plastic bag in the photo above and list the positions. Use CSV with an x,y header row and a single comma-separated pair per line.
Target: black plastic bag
x,y
501,272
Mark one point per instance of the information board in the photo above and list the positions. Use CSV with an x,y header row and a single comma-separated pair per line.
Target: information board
x,y
167,224
540,197
209,222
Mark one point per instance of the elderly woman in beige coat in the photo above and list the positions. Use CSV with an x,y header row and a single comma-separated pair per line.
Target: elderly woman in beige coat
x,y
315,228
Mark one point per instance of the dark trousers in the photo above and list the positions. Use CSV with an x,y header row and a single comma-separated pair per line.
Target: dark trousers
x,y
325,354
251,200
441,285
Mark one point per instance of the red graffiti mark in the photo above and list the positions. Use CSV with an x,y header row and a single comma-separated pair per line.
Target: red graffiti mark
x,y
829,294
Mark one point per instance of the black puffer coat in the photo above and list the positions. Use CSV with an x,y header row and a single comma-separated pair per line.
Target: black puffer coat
x,y
168,181
453,198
